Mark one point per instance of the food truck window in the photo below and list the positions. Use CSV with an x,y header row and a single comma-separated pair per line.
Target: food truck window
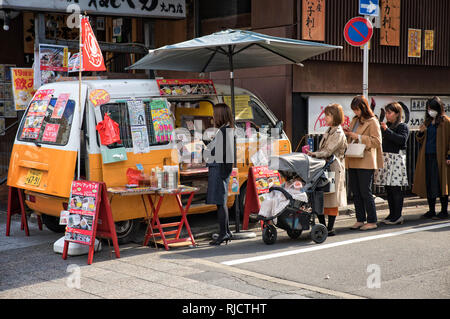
x,y
119,113
252,115
47,122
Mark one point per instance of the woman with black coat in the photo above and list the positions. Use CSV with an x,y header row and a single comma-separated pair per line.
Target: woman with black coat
x,y
393,174
219,160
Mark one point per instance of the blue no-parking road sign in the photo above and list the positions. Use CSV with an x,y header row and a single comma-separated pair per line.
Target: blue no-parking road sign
x,y
358,31
369,7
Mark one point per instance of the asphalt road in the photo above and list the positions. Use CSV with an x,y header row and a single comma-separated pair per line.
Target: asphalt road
x,y
403,261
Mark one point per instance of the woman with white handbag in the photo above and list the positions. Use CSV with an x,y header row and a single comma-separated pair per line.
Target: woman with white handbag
x,y
362,158
334,143
393,174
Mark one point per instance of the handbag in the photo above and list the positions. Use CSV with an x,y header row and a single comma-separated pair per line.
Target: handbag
x,y
355,150
331,176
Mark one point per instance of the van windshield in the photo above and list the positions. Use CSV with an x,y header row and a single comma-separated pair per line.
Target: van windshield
x,y
46,124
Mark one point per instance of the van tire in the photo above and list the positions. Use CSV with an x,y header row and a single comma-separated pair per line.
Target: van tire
x,y
52,223
132,230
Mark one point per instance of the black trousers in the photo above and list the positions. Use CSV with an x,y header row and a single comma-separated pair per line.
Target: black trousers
x,y
360,181
395,201
224,222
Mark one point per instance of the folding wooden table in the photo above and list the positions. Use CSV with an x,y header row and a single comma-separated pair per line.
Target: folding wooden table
x,y
155,228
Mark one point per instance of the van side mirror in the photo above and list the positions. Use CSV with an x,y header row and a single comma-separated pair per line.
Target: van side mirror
x,y
279,125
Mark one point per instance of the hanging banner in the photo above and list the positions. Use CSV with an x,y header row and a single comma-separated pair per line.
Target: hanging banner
x,y
92,57
313,20
414,43
429,40
23,88
390,22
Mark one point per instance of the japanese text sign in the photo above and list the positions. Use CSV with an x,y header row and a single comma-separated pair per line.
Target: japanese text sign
x,y
390,23
313,20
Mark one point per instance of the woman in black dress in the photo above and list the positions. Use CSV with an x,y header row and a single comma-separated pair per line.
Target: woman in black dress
x,y
219,159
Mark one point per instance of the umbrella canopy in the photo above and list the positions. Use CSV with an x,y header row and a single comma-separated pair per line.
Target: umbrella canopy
x,y
214,52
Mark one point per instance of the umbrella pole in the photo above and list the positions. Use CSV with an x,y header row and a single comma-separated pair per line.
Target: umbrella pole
x,y
237,200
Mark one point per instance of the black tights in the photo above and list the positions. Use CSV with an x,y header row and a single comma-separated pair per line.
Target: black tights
x,y
222,216
331,220
395,201
432,203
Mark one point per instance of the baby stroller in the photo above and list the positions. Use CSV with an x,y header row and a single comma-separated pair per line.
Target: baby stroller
x,y
299,215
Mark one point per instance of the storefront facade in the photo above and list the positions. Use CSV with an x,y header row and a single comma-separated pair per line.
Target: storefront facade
x,y
409,57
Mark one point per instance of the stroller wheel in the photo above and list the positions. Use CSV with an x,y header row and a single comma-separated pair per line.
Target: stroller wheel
x,y
269,234
319,233
293,233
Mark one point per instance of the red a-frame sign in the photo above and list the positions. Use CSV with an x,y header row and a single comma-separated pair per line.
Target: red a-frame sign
x,y
90,217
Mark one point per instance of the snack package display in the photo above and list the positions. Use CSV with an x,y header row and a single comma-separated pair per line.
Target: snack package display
x,y
162,120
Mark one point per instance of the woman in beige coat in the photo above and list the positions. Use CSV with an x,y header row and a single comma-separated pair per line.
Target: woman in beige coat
x,y
364,129
432,174
334,143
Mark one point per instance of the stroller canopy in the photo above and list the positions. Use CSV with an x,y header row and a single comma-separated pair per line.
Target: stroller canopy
x,y
303,165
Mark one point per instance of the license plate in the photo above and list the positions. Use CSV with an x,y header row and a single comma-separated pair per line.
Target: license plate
x,y
33,177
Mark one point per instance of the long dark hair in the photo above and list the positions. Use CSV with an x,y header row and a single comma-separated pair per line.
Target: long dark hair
x,y
222,115
360,102
436,104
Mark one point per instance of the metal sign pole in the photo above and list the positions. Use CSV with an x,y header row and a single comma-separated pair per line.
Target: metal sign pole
x,y
365,85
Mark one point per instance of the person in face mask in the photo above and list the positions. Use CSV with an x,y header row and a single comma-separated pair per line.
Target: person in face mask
x,y
432,174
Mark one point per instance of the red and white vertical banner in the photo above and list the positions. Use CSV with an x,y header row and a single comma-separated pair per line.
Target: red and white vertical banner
x,y
92,58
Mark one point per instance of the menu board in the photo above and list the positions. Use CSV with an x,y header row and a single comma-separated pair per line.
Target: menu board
x,y
83,203
162,120
264,178
186,87
260,179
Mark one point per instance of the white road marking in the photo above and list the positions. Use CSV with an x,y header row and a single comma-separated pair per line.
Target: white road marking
x,y
325,246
